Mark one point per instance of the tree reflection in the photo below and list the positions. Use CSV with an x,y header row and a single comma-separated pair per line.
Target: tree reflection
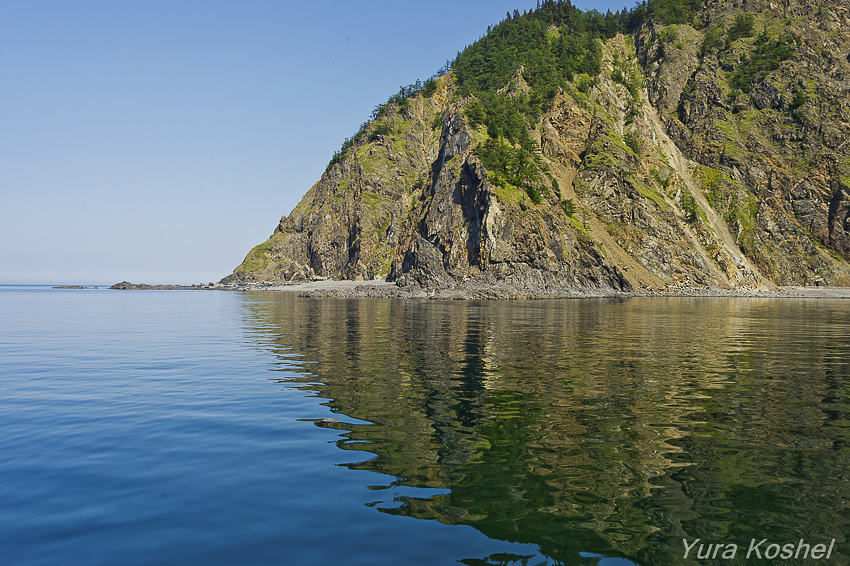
x,y
588,427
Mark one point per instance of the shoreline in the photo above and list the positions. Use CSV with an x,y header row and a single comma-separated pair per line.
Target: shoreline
x,y
476,291
481,290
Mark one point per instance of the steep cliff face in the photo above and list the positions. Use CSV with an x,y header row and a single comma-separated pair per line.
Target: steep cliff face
x,y
350,223
713,153
416,205
759,98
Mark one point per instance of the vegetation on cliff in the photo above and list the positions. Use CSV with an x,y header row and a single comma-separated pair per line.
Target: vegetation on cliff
x,y
670,145
552,45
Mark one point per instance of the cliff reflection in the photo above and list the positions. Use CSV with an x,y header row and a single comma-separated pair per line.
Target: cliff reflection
x,y
614,427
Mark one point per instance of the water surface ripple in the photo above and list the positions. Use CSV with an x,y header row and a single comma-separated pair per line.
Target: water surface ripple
x,y
180,427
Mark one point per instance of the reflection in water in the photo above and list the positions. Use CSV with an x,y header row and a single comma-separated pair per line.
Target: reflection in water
x,y
588,427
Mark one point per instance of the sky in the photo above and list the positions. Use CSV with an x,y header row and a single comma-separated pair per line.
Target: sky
x,y
159,141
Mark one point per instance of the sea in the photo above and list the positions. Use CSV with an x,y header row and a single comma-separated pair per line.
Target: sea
x,y
251,428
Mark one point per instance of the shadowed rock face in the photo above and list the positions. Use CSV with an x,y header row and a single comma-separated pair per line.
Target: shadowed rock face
x,y
715,187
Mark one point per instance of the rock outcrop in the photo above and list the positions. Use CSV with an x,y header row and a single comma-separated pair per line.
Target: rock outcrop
x,y
662,173
127,286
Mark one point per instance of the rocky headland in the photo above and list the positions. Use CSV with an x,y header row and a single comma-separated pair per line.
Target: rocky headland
x,y
679,148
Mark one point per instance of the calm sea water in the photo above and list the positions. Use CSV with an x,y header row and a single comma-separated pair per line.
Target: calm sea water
x,y
190,427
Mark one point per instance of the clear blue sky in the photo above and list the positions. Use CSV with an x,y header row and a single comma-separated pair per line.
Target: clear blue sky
x,y
158,141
